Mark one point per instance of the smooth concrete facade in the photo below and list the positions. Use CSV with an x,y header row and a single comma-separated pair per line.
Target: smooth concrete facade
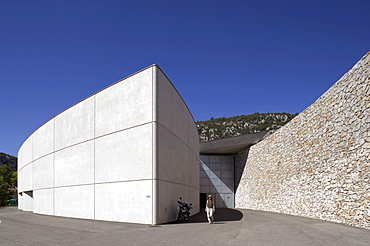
x,y
124,154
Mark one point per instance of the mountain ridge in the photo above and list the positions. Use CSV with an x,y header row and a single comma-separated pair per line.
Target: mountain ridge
x,y
9,160
223,127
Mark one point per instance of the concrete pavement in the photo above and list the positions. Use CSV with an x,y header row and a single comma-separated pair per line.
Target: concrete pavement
x,y
232,227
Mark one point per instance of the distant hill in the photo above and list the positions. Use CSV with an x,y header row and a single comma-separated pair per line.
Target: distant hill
x,y
238,125
9,160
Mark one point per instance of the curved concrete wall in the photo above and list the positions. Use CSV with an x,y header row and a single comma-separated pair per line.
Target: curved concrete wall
x,y
124,154
318,164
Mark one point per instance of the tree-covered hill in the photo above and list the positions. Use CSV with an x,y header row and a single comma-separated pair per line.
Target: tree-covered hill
x,y
8,177
9,160
238,125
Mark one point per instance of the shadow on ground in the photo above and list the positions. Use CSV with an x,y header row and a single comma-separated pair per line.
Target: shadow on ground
x,y
221,214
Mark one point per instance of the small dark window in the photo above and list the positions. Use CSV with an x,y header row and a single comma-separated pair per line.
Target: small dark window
x,y
29,193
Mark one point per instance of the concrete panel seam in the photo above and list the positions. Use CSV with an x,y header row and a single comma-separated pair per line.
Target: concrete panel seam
x,y
25,166
128,128
94,159
54,167
111,182
85,141
195,154
46,188
168,181
154,147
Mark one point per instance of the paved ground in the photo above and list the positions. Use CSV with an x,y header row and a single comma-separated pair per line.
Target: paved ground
x,y
232,227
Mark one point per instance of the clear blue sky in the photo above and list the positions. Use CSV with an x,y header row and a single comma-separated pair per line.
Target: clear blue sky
x,y
225,57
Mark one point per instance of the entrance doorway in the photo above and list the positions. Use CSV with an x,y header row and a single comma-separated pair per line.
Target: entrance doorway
x,y
202,200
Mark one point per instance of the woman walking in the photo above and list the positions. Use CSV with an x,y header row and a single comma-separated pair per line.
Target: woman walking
x,y
210,209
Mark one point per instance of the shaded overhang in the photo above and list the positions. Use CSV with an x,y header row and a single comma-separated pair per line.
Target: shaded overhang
x,y
231,145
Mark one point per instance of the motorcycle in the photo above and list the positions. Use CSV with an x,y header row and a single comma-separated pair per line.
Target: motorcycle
x,y
183,210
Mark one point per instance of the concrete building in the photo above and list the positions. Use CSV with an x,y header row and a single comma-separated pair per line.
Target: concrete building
x,y
128,152
123,154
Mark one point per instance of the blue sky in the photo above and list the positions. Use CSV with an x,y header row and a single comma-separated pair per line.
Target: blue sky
x,y
225,57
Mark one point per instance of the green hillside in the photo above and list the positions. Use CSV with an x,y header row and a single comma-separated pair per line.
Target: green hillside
x,y
8,176
9,160
238,125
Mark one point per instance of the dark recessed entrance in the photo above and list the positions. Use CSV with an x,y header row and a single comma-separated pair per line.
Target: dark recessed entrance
x,y
202,200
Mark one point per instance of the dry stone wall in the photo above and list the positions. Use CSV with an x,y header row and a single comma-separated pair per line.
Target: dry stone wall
x,y
318,164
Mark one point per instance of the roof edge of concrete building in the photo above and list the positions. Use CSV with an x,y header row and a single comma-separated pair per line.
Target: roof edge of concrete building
x,y
231,145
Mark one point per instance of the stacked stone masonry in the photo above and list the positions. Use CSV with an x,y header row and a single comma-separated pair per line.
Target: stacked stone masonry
x,y
318,164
